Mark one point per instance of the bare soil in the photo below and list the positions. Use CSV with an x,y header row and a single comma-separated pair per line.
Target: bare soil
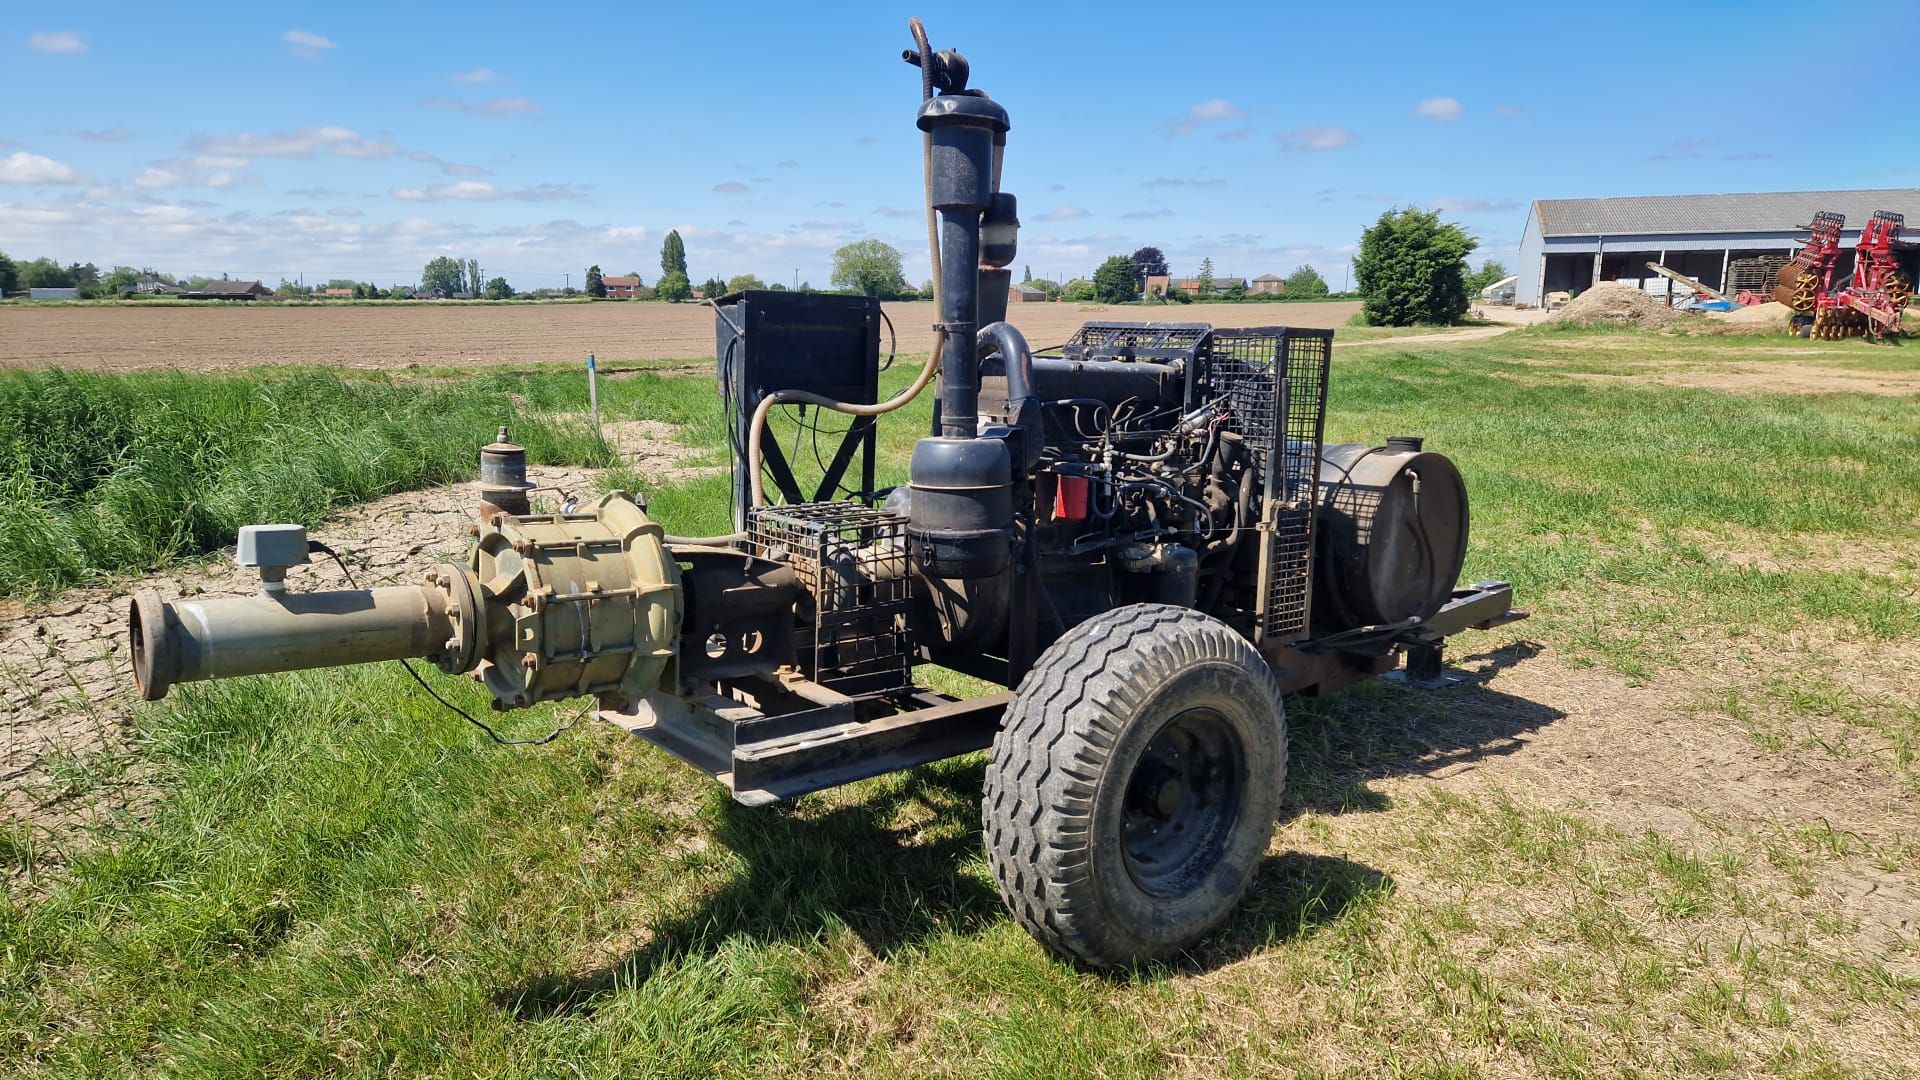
x,y
398,336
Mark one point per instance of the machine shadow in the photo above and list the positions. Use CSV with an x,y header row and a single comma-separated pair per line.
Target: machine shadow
x,y
889,865
1381,729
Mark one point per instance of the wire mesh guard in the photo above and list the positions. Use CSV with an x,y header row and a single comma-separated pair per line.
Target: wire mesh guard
x,y
852,562
1275,382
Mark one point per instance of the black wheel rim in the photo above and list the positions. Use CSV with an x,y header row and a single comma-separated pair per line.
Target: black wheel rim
x,y
1182,802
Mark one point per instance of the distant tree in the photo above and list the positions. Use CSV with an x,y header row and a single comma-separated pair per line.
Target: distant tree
x,y
743,282
9,275
1117,280
776,287
85,275
1051,288
1304,282
713,288
870,267
120,279
596,284
474,285
441,276
1026,275
1490,271
44,273
1080,289
1235,289
673,254
1149,262
806,286
1412,268
1205,277
674,287
498,289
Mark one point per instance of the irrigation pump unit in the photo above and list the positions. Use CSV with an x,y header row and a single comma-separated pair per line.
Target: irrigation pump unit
x,y
1141,535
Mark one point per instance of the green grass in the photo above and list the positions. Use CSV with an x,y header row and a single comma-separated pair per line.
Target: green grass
x,y
105,474
339,878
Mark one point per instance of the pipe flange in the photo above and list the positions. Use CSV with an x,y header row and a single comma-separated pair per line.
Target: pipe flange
x,y
154,662
466,605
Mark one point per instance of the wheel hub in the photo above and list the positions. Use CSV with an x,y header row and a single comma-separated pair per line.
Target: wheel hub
x,y
1182,801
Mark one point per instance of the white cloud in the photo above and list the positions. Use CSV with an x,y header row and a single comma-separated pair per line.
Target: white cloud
x,y
1205,113
56,41
1310,140
306,44
455,168
480,76
112,134
1469,204
730,187
482,191
21,167
200,172
1064,213
500,106
1438,108
304,143
897,212
346,211
1146,215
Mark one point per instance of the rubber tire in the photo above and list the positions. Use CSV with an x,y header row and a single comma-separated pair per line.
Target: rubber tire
x,y
1060,766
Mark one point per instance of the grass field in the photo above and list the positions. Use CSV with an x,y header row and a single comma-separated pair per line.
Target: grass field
x,y
1667,830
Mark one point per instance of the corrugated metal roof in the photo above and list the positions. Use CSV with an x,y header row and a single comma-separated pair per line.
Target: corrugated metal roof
x,y
1762,212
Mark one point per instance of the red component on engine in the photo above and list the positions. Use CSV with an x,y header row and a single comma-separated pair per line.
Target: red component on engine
x,y
1069,497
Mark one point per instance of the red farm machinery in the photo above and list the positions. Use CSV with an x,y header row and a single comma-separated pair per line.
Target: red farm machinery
x,y
1869,302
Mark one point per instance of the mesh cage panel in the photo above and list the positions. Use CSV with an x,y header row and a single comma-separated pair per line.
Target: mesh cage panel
x,y
852,562
1275,382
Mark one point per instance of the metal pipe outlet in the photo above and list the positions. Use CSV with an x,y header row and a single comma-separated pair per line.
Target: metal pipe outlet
x,y
190,640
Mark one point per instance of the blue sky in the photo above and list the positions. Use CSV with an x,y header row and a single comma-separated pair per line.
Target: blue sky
x,y
351,140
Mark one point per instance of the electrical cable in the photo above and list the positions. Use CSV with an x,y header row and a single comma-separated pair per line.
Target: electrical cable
x,y
782,397
318,547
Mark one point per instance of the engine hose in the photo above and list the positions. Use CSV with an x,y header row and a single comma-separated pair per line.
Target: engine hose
x,y
756,483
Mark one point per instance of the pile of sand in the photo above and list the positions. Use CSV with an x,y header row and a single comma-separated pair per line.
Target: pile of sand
x,y
1610,302
1771,315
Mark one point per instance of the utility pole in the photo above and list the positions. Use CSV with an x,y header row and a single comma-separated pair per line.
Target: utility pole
x,y
569,281
796,279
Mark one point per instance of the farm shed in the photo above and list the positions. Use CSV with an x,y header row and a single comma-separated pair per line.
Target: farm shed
x,y
231,290
1268,285
1022,293
1569,244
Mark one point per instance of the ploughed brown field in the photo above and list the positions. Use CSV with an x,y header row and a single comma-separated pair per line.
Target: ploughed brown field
x,y
205,338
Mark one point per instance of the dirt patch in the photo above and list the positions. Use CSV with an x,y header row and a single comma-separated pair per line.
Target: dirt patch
x,y
1610,302
1772,315
65,688
1660,757
400,336
1782,379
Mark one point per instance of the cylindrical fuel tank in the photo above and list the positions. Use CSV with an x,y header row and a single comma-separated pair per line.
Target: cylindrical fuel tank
x,y
1392,534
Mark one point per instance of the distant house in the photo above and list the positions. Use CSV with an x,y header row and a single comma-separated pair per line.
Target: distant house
x,y
1268,285
1191,286
621,286
345,294
230,290
1157,284
1022,293
157,287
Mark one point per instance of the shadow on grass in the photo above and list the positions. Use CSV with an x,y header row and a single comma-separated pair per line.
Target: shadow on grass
x,y
893,882
1380,729
888,866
